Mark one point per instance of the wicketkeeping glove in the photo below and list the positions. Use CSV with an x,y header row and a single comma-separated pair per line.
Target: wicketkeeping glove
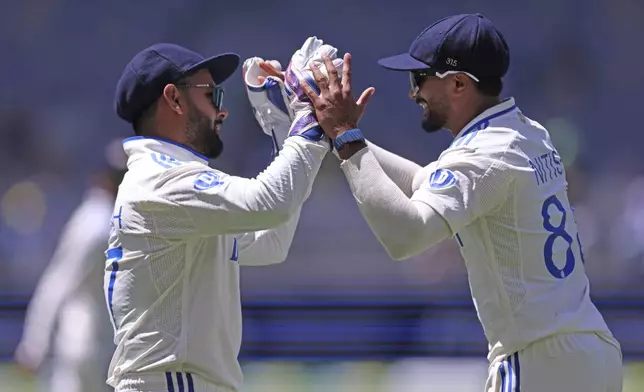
x,y
306,124
269,101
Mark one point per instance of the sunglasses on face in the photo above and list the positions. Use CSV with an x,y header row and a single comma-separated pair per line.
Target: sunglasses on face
x,y
416,78
217,93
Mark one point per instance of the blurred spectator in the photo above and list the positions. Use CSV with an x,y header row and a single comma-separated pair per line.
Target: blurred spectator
x,y
69,298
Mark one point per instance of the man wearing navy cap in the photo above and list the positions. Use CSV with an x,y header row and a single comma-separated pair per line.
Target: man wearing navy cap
x,y
499,189
180,229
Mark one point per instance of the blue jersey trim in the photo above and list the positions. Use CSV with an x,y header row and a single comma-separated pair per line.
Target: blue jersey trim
x,y
113,255
510,372
478,126
169,381
517,371
167,141
191,386
180,381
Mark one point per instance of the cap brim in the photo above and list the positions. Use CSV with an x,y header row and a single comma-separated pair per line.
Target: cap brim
x,y
402,62
221,67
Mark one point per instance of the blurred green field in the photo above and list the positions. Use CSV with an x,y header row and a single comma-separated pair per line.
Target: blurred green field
x,y
403,376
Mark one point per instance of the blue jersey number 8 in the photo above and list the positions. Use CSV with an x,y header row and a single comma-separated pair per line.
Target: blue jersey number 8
x,y
558,231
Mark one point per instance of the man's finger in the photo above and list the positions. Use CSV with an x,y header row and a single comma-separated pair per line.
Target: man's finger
x,y
319,77
308,90
269,69
334,82
364,99
346,75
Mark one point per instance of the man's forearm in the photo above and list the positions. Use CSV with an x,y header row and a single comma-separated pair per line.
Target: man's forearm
x,y
404,227
400,170
268,246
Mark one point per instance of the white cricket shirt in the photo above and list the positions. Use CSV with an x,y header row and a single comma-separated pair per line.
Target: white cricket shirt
x,y
180,230
501,188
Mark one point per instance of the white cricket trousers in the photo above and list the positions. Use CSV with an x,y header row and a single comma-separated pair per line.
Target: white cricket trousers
x,y
167,382
583,362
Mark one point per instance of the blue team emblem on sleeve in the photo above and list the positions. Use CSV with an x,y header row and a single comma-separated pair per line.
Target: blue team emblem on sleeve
x,y
207,180
442,179
166,161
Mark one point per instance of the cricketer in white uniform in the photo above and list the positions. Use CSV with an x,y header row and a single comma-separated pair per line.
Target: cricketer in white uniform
x,y
69,298
500,190
181,230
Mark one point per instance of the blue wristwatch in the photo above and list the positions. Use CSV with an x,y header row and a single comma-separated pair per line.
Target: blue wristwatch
x,y
352,135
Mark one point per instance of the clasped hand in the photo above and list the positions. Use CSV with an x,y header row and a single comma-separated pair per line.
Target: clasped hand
x,y
335,107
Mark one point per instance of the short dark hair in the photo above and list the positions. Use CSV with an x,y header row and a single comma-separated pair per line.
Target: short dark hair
x,y
141,123
490,87
144,119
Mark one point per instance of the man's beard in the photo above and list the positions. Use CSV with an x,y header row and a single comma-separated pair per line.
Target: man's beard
x,y
433,121
202,135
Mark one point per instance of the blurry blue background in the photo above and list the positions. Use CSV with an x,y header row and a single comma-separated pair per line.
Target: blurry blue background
x,y
575,67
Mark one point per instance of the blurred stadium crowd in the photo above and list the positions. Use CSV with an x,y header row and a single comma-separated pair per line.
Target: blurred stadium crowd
x,y
573,69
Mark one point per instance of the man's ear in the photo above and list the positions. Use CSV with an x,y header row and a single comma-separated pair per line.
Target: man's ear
x,y
460,83
173,98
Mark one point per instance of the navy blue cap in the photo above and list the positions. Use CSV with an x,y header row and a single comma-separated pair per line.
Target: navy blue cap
x,y
147,74
466,42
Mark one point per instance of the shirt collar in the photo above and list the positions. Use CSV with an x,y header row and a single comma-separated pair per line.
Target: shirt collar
x,y
482,121
137,145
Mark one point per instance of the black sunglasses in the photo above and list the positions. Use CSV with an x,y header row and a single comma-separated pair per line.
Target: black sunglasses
x,y
416,79
217,93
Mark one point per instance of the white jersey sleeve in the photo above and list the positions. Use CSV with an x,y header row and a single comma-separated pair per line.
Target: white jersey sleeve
x,y
215,203
404,227
400,170
421,177
465,184
270,246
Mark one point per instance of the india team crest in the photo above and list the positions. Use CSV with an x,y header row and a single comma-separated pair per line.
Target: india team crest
x,y
206,180
442,179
